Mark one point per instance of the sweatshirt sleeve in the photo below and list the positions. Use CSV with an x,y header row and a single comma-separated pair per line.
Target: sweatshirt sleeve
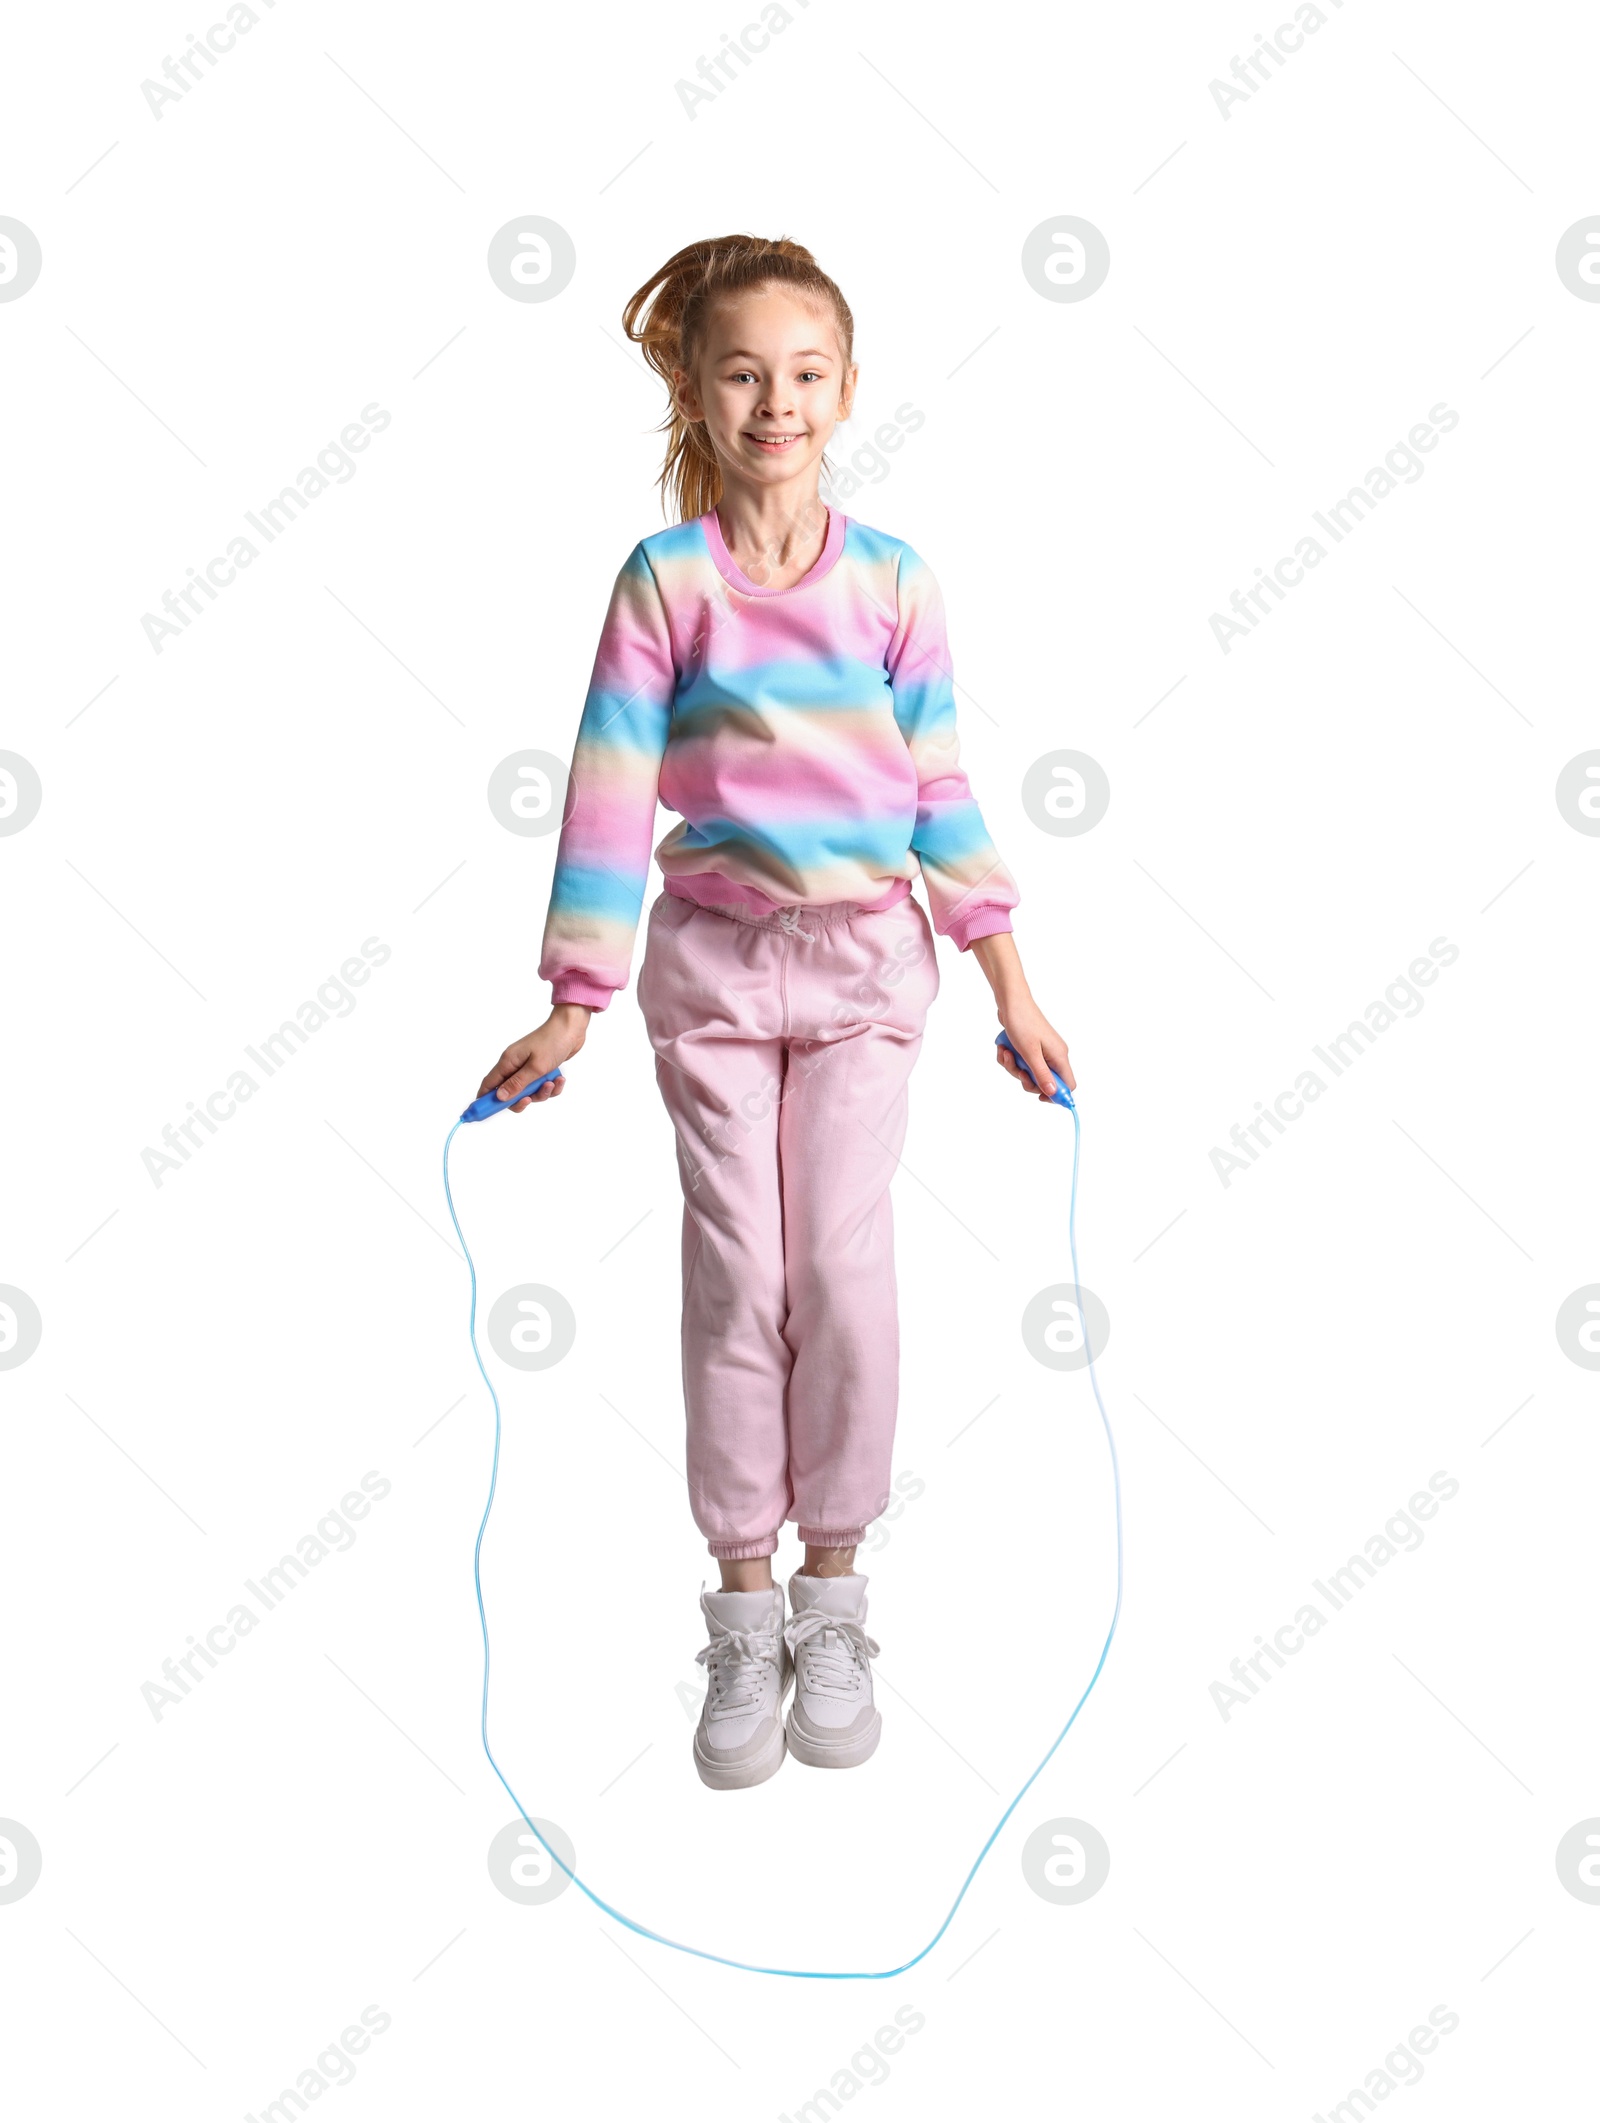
x,y
603,857
970,890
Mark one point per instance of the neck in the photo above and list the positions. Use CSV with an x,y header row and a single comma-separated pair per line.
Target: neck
x,y
778,525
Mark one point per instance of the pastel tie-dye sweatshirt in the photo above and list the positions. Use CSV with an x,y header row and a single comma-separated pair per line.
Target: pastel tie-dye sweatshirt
x,y
807,737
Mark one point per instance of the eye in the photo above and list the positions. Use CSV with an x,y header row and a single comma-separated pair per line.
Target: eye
x,y
811,376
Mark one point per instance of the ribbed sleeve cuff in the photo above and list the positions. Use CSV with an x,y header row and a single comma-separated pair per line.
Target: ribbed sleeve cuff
x,y
574,988
982,921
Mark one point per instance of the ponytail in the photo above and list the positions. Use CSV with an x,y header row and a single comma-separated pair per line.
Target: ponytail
x,y
667,319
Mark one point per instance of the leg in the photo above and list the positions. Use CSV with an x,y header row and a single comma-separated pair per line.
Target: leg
x,y
829,1562
855,1035
751,1574
719,1066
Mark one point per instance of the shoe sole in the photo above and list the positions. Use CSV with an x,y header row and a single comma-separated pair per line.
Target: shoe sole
x,y
837,1754
739,1776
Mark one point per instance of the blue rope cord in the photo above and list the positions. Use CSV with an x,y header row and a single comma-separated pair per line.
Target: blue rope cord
x,y
701,1953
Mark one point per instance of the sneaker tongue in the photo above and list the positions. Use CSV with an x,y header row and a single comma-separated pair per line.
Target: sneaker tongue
x,y
740,1610
846,1596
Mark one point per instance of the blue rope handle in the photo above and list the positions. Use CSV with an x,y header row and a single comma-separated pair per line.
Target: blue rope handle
x,y
701,1953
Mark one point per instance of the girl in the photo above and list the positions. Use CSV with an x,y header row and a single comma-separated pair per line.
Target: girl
x,y
777,673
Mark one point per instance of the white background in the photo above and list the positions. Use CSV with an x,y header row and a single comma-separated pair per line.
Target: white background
x,y
1291,1357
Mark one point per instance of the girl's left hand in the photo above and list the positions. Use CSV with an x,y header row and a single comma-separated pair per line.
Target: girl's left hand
x,y
1041,1047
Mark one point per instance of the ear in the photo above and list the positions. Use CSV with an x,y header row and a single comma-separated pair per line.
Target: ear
x,y
847,396
686,397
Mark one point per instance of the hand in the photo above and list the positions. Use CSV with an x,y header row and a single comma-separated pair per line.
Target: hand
x,y
525,1060
1041,1047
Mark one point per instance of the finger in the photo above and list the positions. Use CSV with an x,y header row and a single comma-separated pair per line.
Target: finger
x,y
1043,1075
1020,1071
1027,1084
1060,1062
1007,1061
1053,1053
500,1070
537,1098
518,1081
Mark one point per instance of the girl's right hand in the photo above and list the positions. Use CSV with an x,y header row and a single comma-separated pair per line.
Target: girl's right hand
x,y
525,1060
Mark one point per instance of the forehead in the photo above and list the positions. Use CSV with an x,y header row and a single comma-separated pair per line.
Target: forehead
x,y
772,323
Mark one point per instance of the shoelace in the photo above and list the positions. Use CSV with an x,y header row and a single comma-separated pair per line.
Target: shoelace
x,y
836,1651
737,1662
790,923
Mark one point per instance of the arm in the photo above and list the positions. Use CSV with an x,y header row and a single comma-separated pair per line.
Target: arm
x,y
970,890
1037,1040
603,857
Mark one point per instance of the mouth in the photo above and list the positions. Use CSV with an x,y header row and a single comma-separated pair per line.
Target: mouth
x,y
774,445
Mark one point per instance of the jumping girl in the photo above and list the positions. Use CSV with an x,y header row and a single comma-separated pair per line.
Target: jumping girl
x,y
777,673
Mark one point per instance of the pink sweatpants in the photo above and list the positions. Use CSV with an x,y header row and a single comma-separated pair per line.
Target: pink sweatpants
x,y
783,1045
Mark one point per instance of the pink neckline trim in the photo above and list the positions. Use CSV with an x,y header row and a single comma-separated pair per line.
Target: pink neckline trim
x,y
727,567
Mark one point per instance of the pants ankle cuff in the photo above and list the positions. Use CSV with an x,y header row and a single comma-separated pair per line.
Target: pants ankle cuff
x,y
744,1551
833,1536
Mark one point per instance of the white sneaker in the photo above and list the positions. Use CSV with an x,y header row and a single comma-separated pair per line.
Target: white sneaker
x,y
739,1739
833,1722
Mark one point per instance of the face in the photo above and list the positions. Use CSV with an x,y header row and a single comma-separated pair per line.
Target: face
x,y
771,386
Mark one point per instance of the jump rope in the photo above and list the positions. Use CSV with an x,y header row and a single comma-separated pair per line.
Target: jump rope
x,y
485,1108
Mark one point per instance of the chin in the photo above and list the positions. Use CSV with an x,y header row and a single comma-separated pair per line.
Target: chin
x,y
781,467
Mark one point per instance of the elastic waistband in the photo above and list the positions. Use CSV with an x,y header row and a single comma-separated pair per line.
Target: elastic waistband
x,y
793,921
768,915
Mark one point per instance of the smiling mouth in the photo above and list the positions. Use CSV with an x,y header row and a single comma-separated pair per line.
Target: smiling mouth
x,y
774,445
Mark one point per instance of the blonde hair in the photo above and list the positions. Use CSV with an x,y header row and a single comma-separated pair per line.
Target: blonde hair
x,y
667,319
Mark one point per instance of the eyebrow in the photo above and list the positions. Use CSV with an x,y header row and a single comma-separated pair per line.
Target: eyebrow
x,y
814,353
